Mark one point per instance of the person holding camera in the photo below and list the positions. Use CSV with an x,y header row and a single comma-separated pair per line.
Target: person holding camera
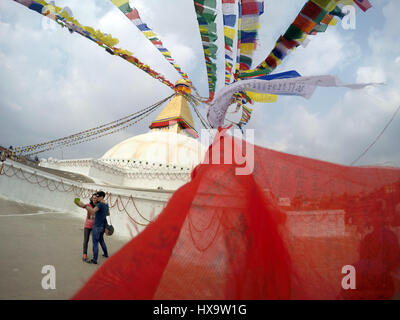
x,y
88,226
100,212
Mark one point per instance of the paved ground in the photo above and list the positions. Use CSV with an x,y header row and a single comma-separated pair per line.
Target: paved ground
x,y
32,237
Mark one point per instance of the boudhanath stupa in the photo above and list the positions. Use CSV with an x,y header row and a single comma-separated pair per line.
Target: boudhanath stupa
x,y
138,174
159,159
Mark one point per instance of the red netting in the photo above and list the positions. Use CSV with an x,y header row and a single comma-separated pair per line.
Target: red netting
x,y
283,232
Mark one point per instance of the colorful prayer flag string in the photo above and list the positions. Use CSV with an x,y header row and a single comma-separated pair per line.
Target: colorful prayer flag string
x,y
133,15
249,14
314,17
105,41
206,14
230,19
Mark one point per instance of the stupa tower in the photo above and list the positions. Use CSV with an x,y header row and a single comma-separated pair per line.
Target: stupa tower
x,y
176,116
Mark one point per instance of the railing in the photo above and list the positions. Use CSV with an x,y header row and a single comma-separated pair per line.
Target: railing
x,y
131,169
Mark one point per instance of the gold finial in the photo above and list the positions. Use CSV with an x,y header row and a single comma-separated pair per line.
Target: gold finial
x,y
183,86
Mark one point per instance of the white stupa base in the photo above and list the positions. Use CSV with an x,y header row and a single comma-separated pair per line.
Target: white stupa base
x,y
131,209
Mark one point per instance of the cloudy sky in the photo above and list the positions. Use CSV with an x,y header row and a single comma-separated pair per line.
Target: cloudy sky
x,y
53,84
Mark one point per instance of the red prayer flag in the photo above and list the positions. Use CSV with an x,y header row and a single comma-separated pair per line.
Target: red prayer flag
x,y
286,230
363,4
134,14
250,8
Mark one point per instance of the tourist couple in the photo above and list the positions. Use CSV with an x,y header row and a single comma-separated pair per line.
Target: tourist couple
x,y
96,222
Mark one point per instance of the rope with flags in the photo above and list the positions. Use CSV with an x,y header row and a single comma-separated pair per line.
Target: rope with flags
x,y
105,41
90,134
230,19
202,120
133,15
249,12
206,14
313,18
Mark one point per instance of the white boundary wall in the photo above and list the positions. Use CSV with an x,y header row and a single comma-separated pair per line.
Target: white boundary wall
x,y
19,182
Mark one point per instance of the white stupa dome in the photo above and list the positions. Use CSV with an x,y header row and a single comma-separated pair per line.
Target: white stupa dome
x,y
161,159
164,147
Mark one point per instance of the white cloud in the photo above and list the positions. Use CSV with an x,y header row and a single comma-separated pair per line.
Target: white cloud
x,y
54,83
371,74
329,52
339,129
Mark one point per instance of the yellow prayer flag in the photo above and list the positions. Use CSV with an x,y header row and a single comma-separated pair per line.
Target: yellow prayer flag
x,y
250,27
247,48
262,97
229,32
333,22
347,2
327,5
203,29
119,3
149,34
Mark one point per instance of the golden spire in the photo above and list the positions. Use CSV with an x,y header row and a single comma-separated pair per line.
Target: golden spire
x,y
176,115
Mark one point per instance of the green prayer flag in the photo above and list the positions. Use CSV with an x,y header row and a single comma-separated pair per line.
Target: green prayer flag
x,y
293,33
229,41
125,8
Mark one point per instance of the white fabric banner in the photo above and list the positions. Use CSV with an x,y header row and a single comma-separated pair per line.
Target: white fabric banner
x,y
229,8
300,86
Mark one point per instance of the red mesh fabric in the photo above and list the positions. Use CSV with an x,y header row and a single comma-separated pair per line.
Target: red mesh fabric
x,y
283,232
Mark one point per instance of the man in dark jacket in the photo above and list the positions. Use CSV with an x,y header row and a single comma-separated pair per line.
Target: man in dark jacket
x,y
100,211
